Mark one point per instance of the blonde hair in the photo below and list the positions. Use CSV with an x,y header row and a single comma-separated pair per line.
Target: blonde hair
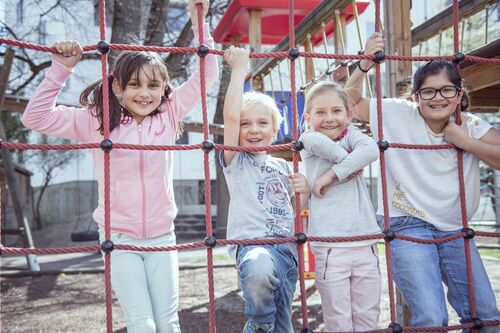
x,y
252,98
322,87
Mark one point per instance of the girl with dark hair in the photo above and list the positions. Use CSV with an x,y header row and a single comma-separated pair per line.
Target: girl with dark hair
x,y
423,191
144,110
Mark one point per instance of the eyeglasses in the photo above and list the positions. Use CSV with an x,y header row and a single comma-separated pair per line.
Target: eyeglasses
x,y
445,92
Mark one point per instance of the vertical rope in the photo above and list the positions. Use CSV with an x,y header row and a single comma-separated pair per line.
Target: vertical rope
x,y
463,204
107,213
298,222
206,167
383,171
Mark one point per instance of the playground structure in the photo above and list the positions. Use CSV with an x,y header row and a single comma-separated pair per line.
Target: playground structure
x,y
210,241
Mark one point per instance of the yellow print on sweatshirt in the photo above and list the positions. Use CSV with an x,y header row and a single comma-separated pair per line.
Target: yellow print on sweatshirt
x,y
400,202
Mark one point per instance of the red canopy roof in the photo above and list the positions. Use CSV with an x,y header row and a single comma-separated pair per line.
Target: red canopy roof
x,y
274,19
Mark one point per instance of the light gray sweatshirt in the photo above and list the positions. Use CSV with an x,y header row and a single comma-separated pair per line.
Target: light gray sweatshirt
x,y
345,209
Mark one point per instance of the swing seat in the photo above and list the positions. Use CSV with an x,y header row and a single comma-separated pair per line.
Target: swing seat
x,y
85,236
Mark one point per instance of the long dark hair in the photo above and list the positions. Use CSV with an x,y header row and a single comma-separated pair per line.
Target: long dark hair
x,y
436,67
127,65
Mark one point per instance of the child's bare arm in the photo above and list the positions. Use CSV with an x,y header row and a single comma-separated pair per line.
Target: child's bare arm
x,y
360,106
238,60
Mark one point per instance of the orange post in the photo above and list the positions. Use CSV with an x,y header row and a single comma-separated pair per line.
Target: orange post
x,y
309,263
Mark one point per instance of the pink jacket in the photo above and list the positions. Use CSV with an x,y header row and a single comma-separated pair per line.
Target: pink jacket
x,y
141,191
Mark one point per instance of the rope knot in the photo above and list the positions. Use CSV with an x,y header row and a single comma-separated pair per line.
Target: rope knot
x,y
469,233
293,53
202,50
210,241
297,145
106,145
107,246
396,328
207,146
459,57
102,47
382,145
389,235
301,237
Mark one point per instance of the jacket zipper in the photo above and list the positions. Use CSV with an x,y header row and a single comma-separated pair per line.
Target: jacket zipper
x,y
143,190
326,262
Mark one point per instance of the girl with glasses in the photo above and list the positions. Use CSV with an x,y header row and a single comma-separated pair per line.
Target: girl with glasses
x,y
423,192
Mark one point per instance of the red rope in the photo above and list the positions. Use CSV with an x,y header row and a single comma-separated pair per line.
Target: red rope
x,y
297,222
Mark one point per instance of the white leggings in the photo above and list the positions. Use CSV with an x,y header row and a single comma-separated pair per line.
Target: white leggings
x,y
146,284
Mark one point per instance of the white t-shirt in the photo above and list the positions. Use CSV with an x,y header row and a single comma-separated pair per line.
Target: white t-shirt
x,y
424,183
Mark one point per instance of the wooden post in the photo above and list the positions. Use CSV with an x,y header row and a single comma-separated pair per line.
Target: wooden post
x,y
255,41
397,28
22,221
338,35
309,62
397,31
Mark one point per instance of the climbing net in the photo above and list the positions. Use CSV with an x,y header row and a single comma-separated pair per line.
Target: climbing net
x,y
207,146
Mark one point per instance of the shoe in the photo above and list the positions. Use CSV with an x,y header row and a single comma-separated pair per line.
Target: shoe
x,y
252,327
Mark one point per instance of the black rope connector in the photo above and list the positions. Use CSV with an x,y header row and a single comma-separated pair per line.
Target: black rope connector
x,y
106,145
382,145
207,146
396,328
478,323
301,237
102,47
469,233
306,330
107,246
389,235
293,53
297,145
210,241
202,50
379,56
459,57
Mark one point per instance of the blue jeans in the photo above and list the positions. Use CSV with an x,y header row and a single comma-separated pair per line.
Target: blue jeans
x,y
420,269
268,275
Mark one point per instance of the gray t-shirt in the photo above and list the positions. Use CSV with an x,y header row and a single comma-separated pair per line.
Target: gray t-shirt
x,y
345,209
260,191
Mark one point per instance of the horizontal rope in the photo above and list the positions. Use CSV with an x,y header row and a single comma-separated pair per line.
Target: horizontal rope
x,y
261,241
424,147
283,54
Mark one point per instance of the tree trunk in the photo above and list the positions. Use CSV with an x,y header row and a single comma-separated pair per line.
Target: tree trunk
x,y
176,62
38,218
155,30
221,185
126,24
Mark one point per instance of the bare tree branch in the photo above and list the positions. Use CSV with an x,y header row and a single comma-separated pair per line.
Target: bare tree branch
x,y
156,27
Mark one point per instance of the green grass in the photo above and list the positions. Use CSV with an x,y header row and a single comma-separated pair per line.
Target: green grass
x,y
491,253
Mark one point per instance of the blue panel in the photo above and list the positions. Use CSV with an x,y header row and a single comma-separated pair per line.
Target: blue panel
x,y
284,101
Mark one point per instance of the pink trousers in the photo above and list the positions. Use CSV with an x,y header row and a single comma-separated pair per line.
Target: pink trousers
x,y
348,280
